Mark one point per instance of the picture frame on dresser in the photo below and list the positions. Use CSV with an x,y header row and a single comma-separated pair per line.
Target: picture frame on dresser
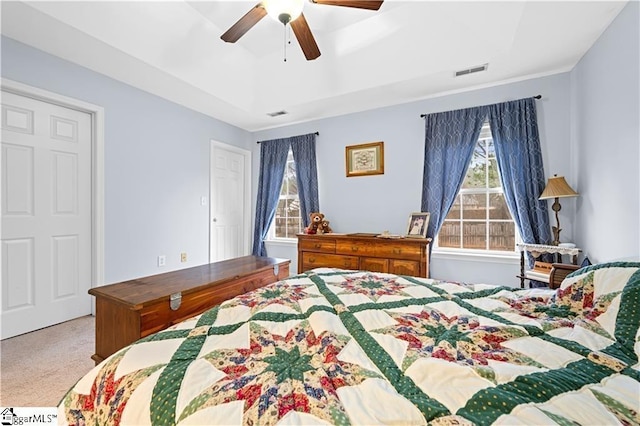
x,y
418,224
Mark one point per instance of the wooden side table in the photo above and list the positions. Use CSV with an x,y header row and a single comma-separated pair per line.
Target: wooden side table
x,y
538,249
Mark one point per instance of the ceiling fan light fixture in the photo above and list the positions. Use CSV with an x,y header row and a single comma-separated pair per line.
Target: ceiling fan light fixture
x,y
284,11
289,12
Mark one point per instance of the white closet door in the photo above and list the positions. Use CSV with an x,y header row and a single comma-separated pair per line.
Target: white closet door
x,y
228,203
46,214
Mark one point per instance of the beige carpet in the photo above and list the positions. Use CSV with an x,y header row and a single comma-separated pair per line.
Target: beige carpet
x,y
36,369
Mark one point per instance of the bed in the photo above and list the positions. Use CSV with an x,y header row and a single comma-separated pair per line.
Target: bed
x,y
346,347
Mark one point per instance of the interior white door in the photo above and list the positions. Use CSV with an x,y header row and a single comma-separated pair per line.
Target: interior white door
x,y
229,207
46,214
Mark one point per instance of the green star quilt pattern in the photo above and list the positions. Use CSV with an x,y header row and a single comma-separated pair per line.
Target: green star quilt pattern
x,y
349,347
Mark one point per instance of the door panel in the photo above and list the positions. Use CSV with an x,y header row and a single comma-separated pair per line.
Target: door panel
x,y
17,180
405,267
46,214
374,264
65,265
229,206
17,267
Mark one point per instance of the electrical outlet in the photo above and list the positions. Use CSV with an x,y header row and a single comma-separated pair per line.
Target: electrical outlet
x,y
162,260
183,257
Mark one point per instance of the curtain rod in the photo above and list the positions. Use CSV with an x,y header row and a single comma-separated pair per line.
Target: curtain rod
x,y
535,97
315,133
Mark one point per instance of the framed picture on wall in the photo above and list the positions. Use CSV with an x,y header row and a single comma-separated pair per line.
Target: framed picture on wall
x,y
365,159
418,223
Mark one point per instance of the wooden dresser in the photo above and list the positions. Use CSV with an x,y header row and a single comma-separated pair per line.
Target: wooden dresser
x,y
402,256
130,310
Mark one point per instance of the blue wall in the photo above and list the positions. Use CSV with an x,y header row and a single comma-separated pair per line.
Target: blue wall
x,y
156,163
606,98
384,202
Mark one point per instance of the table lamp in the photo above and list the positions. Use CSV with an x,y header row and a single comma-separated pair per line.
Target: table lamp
x,y
557,188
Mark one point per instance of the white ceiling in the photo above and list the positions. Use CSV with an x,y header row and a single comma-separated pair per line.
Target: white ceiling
x,y
407,50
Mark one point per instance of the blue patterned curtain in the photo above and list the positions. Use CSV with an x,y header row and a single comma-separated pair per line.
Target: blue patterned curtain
x,y
304,156
450,138
273,159
514,127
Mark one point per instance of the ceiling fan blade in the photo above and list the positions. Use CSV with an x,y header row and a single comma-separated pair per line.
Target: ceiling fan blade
x,y
305,38
359,4
244,24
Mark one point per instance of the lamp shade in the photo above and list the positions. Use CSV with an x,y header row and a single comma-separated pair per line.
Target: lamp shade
x,y
557,187
284,11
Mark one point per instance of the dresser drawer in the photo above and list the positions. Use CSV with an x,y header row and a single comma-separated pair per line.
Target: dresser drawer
x,y
382,249
355,247
317,245
374,264
322,260
399,251
404,267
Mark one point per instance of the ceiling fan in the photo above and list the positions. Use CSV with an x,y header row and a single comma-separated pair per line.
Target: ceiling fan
x,y
290,12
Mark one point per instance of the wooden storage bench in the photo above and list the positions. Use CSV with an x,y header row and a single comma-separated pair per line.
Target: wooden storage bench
x,y
130,310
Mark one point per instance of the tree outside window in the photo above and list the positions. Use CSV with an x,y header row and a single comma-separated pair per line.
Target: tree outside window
x,y
287,222
479,218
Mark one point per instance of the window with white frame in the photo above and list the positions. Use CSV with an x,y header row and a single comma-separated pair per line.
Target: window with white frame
x,y
479,218
287,222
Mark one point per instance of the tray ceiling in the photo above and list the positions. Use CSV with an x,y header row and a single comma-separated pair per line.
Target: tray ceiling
x,y
408,50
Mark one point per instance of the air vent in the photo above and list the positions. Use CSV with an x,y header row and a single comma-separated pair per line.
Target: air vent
x,y
472,70
277,113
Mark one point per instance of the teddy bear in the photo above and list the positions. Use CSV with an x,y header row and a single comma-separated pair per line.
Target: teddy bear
x,y
324,227
314,223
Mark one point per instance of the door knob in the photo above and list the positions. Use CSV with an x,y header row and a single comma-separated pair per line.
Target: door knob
x,y
215,220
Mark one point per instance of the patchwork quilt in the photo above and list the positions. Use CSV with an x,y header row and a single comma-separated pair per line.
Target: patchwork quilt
x,y
354,347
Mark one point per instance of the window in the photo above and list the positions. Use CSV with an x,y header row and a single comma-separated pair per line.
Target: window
x,y
479,218
287,222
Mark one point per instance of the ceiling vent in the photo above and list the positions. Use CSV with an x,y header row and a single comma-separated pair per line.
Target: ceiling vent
x,y
277,113
472,70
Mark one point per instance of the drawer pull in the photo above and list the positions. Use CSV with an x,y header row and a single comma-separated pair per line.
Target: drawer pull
x,y
317,245
312,260
276,269
175,300
354,248
397,251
